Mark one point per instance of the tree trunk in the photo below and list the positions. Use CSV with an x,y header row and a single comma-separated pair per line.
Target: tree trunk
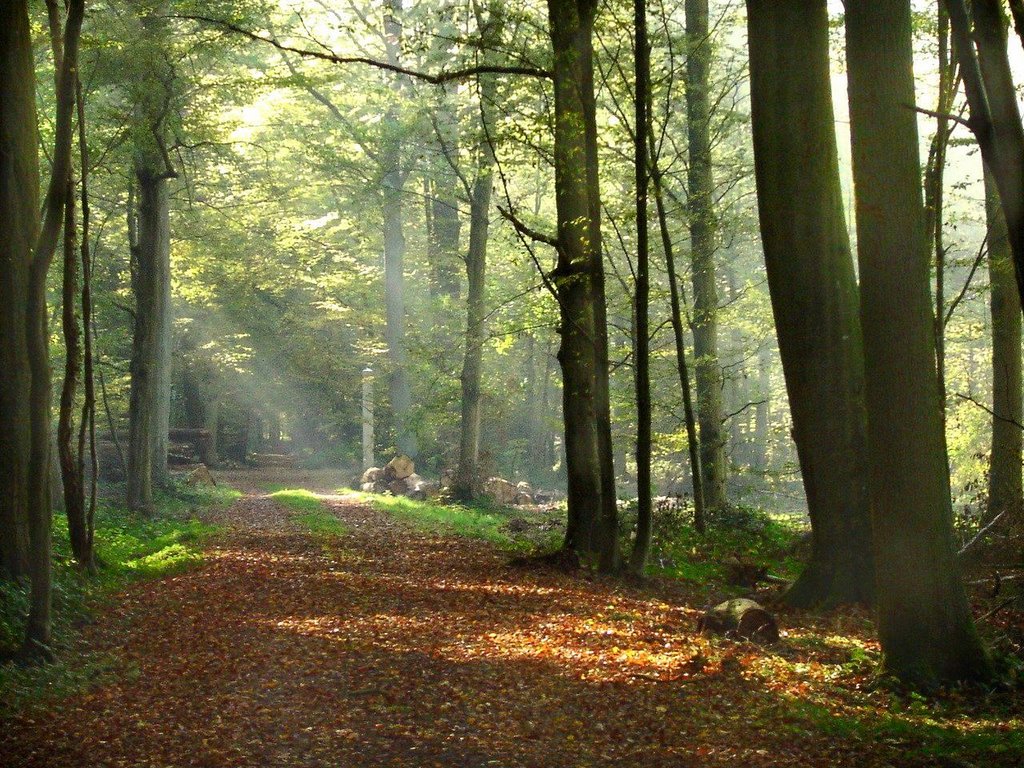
x,y
1005,491
924,621
19,210
813,290
692,439
642,66
700,205
147,414
995,117
40,513
467,473
579,278
394,248
72,477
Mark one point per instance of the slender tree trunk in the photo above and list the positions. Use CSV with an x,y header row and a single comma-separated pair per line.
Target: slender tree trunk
x,y
642,67
579,277
813,290
995,117
467,473
924,621
87,424
70,465
692,439
708,372
150,343
1005,491
40,514
19,210
934,181
394,247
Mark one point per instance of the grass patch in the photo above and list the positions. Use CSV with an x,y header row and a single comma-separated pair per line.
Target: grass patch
x,y
128,547
310,512
932,729
473,522
298,500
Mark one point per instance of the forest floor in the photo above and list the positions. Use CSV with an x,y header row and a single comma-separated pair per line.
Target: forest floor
x,y
349,637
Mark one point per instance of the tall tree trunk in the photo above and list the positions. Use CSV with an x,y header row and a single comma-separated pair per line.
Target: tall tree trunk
x,y
40,514
19,210
700,204
394,177
87,424
72,478
1005,491
692,439
467,472
813,290
995,116
579,277
150,342
642,67
924,621
934,183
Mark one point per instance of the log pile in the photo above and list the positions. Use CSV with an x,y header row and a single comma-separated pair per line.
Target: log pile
x,y
398,477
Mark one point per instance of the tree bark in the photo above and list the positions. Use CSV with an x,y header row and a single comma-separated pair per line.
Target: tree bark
x,y
467,475
72,477
924,622
579,279
19,210
40,514
813,290
394,178
1005,491
150,342
700,205
995,117
642,66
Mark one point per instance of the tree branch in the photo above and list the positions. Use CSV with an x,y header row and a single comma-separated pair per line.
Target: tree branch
x,y
438,79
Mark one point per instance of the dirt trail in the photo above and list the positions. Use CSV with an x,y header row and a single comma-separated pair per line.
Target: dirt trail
x,y
385,647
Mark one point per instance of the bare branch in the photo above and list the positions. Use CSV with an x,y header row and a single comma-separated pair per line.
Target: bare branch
x,y
438,79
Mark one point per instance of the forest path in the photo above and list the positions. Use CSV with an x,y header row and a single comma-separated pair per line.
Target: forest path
x,y
387,647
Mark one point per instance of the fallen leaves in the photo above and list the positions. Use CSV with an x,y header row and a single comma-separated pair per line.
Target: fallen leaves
x,y
389,647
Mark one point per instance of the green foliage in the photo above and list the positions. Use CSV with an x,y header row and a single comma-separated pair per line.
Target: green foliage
x,y
737,531
128,547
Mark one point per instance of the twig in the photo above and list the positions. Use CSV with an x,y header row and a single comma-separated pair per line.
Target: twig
x,y
989,411
994,611
977,538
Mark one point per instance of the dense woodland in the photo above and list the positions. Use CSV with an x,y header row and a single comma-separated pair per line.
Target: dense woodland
x,y
683,264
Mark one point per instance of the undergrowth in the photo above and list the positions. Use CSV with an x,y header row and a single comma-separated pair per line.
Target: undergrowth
x,y
128,547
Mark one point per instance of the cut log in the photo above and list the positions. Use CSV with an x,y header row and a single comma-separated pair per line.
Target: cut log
x,y
372,475
501,491
399,468
742,619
